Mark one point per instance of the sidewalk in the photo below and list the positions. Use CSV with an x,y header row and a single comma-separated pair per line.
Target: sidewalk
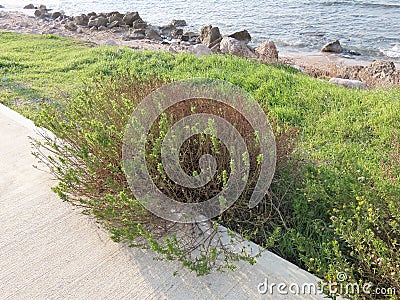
x,y
49,250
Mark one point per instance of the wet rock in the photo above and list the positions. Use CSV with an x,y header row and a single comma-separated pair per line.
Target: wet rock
x,y
131,17
71,26
177,33
178,23
29,6
201,49
151,34
233,46
167,30
189,36
209,34
267,52
243,36
333,47
348,83
56,15
81,20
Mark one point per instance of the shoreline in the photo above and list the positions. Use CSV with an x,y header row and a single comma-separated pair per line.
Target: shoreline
x,y
317,64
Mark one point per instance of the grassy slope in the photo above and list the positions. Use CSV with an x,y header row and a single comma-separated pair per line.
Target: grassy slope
x,y
343,216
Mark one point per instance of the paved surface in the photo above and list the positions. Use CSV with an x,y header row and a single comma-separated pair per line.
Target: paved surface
x,y
49,250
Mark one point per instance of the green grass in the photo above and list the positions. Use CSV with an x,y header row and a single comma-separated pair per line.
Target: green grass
x,y
344,212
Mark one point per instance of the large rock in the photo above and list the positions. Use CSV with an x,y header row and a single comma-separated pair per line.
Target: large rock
x,y
151,34
209,34
200,49
267,52
81,20
333,47
131,17
348,83
116,17
98,22
381,69
235,47
139,24
243,36
56,15
167,30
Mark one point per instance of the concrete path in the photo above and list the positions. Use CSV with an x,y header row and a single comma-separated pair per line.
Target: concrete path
x,y
49,250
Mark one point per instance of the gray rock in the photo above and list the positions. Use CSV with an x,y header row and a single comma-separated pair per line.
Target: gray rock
x,y
79,30
110,43
201,49
151,34
29,6
348,83
177,33
113,24
23,24
243,36
116,18
134,36
333,47
42,7
92,14
102,28
81,20
189,36
167,30
1,6
209,34
139,24
178,23
267,52
56,15
39,13
98,22
233,46
131,17
71,26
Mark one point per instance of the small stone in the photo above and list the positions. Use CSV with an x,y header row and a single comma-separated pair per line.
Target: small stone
x,y
56,15
23,24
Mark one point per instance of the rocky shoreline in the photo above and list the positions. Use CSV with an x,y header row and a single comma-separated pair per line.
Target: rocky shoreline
x,y
129,29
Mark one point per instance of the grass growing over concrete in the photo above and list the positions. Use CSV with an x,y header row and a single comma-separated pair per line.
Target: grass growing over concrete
x,y
340,214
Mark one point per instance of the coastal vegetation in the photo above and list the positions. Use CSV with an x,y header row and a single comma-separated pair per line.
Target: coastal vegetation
x,y
334,202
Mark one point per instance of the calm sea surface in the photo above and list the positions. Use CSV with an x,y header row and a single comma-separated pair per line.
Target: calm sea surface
x,y
371,27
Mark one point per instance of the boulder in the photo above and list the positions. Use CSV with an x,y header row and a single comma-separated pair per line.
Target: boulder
x,y
209,34
134,36
131,17
81,20
151,34
29,6
189,36
177,33
113,24
92,14
71,26
235,47
178,23
116,17
348,83
167,30
98,22
333,47
267,52
243,36
102,28
200,49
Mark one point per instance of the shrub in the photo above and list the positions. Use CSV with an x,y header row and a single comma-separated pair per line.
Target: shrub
x,y
86,159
